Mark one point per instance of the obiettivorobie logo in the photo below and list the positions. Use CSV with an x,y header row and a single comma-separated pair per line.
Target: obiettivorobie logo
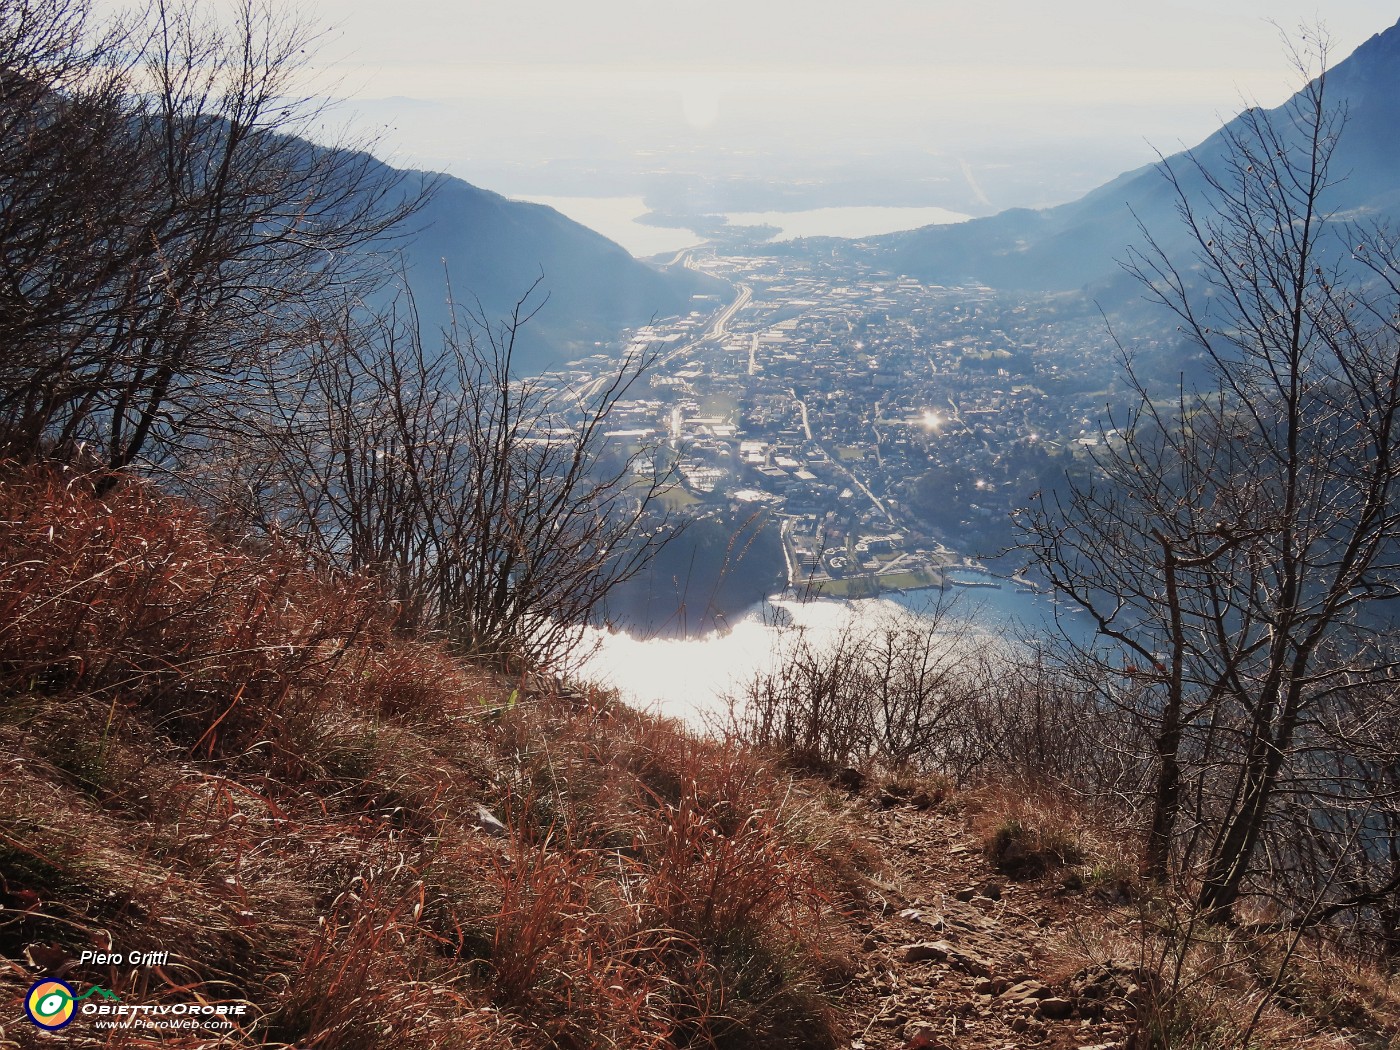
x,y
52,1004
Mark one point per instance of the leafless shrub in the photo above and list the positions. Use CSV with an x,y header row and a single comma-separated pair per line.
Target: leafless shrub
x,y
1236,544
481,500
162,225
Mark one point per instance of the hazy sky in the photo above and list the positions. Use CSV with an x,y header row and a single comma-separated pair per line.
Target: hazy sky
x,y
607,79
590,96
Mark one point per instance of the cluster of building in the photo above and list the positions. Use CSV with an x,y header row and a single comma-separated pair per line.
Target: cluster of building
x,y
893,426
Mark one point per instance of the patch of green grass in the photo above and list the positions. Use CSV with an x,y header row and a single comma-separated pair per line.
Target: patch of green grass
x,y
912,579
834,588
869,587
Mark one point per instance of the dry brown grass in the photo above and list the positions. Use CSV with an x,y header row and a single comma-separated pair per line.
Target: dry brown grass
x,y
1222,986
216,751
1030,832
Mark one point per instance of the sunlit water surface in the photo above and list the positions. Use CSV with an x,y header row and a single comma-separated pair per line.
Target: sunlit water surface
x,y
616,218
691,678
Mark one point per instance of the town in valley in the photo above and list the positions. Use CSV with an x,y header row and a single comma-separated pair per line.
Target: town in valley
x,y
890,428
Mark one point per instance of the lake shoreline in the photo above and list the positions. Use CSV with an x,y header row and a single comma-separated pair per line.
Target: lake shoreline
x,y
632,223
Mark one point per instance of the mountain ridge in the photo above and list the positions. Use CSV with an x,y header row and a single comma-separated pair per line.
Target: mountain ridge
x,y
487,252
1076,245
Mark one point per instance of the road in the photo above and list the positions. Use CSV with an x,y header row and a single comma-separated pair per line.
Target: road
x,y
716,329
806,426
866,489
789,559
857,482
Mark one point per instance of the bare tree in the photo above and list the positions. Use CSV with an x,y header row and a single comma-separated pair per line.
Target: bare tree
x,y
65,153
1235,541
897,690
163,226
480,499
811,705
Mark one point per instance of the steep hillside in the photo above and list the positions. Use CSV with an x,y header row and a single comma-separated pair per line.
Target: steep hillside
x,y
237,809
493,250
1078,244
251,813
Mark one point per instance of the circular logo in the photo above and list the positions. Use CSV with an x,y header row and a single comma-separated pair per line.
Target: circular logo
x,y
49,1004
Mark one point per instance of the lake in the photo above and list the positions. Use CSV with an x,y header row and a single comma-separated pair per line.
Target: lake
x,y
616,218
688,678
863,221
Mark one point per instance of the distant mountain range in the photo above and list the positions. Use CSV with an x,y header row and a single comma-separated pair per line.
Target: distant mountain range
x,y
1077,245
492,250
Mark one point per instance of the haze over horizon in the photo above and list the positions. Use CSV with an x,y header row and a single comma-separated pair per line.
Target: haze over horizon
x,y
784,106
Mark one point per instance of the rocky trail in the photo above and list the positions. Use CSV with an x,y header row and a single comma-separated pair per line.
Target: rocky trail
x,y
958,956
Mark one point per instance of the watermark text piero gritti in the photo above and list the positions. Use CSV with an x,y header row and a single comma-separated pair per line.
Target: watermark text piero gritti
x,y
127,958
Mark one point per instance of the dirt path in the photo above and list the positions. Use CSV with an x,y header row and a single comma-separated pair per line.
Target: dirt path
x,y
959,957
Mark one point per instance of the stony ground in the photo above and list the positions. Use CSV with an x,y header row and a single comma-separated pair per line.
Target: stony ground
x,y
958,956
